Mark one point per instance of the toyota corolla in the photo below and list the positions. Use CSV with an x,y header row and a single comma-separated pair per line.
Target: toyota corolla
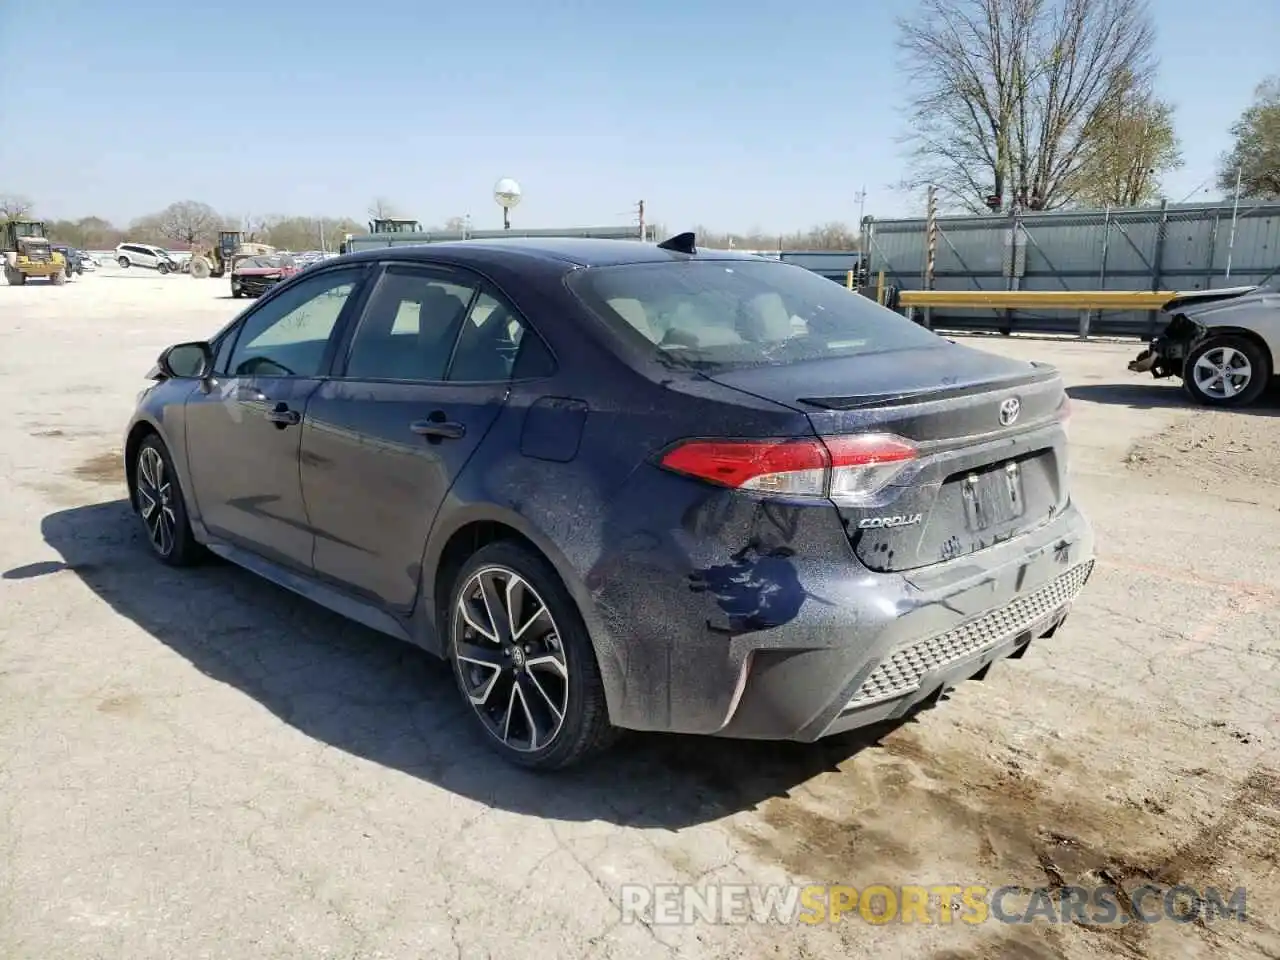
x,y
622,485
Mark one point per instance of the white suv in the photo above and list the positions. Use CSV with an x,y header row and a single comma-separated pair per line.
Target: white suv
x,y
145,255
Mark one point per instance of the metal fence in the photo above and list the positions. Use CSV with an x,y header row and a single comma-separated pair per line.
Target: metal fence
x,y
1167,247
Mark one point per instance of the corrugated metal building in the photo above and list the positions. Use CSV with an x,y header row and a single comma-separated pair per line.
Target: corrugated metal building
x,y
1169,247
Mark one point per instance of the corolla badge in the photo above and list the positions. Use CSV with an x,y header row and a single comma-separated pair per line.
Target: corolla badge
x,y
902,520
1009,411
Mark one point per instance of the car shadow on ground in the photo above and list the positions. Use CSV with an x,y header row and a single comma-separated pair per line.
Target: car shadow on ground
x,y
1165,396
391,703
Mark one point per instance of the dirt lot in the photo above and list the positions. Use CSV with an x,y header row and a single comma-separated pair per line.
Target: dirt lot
x,y
197,764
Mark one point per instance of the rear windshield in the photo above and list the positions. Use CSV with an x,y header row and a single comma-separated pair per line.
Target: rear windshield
x,y
716,314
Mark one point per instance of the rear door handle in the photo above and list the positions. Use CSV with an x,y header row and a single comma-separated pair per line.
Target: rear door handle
x,y
282,416
439,429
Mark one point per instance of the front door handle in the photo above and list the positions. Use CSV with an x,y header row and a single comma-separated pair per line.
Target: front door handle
x,y
438,429
283,417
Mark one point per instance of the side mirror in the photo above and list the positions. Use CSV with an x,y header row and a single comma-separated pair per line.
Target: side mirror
x,y
187,361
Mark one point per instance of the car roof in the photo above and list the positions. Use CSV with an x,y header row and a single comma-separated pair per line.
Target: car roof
x,y
574,251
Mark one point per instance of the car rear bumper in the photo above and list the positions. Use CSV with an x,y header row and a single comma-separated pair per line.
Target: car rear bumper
x,y
861,647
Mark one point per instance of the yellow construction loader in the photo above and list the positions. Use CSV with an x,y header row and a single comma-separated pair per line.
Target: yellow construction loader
x,y
27,253
221,259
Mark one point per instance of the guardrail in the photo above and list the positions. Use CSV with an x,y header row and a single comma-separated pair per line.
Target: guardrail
x,y
1084,302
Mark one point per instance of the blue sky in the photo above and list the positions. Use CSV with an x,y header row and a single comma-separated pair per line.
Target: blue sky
x,y
731,113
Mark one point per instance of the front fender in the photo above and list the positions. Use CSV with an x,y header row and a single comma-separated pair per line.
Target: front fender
x,y
160,411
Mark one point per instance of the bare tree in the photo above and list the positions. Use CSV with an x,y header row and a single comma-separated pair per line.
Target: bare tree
x,y
254,227
14,206
382,209
1133,145
87,233
827,236
187,221
307,233
1256,153
1007,93
832,236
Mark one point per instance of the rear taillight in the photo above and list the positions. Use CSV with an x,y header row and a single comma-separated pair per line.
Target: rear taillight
x,y
844,468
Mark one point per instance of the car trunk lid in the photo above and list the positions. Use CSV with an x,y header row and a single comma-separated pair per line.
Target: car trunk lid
x,y
990,444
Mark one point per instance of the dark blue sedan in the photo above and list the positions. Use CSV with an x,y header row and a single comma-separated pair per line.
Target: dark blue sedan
x,y
623,485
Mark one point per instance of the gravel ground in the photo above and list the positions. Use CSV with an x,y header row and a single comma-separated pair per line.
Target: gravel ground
x,y
196,764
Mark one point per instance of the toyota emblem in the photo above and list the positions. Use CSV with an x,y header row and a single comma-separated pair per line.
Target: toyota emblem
x,y
1009,411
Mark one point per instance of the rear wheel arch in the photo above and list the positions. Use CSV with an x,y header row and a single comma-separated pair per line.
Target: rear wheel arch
x,y
461,545
449,549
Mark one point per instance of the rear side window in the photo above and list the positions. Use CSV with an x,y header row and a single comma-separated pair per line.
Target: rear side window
x,y
720,314
409,327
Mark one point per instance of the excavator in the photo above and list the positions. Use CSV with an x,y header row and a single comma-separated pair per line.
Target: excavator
x,y
221,259
26,250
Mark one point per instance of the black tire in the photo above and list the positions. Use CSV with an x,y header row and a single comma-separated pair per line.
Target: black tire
x,y
124,262
14,277
180,548
1227,346
59,278
163,268
585,729
237,293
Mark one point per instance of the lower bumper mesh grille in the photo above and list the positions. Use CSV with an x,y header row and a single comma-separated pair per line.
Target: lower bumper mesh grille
x,y
904,669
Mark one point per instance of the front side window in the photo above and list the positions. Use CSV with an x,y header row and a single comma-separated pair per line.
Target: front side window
x,y
288,334
720,314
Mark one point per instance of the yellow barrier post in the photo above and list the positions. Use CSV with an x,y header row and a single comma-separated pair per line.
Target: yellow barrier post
x,y
880,288
848,280
1075,300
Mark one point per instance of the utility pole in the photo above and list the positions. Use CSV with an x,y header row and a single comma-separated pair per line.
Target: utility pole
x,y
861,197
931,247
640,209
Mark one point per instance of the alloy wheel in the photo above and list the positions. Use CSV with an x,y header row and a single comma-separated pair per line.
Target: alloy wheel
x,y
155,500
510,659
1222,372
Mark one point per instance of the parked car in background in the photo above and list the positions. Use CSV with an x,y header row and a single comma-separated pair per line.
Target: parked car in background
x,y
624,485
254,276
74,258
1224,343
146,255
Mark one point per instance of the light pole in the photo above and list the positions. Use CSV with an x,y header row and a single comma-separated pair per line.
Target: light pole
x,y
507,194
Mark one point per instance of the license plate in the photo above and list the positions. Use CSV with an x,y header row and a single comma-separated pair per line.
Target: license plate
x,y
993,498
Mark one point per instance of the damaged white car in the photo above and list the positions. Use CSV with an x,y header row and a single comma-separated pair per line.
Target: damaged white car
x,y
1224,344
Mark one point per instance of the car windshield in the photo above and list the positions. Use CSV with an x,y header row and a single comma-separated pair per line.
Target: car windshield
x,y
720,314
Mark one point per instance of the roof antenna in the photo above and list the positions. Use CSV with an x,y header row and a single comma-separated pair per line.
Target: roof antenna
x,y
680,243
